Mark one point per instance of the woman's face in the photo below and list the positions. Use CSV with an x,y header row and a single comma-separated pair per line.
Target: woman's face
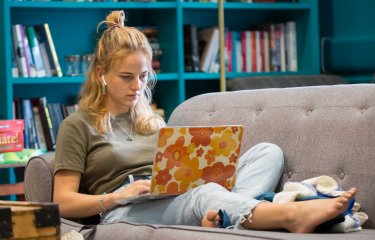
x,y
126,82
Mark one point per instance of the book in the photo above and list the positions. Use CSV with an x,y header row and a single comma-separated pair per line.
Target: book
x,y
274,49
29,59
46,61
39,128
248,47
291,46
237,52
35,52
280,45
210,38
19,50
30,136
151,32
46,122
191,48
255,54
15,72
11,135
44,36
54,119
228,50
266,50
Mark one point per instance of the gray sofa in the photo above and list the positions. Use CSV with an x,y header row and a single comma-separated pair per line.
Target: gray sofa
x,y
323,130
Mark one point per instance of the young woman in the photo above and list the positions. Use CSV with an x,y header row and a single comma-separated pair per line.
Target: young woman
x,y
113,135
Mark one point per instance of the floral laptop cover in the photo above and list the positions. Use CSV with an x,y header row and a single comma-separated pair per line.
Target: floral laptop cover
x,y
187,157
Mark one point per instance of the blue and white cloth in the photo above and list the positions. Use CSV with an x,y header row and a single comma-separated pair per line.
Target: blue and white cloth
x,y
323,187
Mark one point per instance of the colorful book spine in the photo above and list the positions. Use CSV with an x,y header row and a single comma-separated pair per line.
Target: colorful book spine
x,y
35,52
29,59
53,50
47,124
44,36
211,38
19,50
30,135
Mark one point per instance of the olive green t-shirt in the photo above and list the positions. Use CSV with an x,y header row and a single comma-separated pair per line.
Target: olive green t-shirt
x,y
106,160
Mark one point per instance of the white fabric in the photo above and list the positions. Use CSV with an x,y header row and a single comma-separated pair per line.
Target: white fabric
x,y
327,186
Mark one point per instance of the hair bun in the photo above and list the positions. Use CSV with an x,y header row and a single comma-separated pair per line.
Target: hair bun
x,y
116,19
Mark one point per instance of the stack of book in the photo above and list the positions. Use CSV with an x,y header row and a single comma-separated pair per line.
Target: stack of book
x,y
266,48
34,52
152,36
42,121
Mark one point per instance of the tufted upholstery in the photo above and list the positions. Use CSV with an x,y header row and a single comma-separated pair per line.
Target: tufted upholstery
x,y
322,130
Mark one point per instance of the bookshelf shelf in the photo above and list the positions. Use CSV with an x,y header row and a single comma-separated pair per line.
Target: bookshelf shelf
x,y
249,6
77,79
94,5
48,80
216,76
73,27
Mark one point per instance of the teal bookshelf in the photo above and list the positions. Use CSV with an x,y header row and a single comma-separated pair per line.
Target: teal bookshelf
x,y
73,27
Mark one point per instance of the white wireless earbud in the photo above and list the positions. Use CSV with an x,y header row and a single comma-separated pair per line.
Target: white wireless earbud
x,y
104,82
104,85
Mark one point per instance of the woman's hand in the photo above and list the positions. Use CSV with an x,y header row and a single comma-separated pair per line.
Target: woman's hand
x,y
134,189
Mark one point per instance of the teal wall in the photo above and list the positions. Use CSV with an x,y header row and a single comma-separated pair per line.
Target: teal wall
x,y
348,38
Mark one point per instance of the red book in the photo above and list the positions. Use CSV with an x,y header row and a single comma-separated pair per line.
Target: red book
x,y
254,57
11,135
243,47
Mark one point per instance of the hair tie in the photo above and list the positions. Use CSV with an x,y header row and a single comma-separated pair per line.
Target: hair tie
x,y
120,21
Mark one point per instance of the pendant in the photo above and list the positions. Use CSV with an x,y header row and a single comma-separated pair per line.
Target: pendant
x,y
130,139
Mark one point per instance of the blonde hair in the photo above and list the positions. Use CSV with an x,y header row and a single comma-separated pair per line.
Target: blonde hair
x,y
116,42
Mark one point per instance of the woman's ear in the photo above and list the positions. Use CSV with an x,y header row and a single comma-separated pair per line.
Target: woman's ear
x,y
99,72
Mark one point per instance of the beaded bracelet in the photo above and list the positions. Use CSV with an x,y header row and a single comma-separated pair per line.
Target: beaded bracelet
x,y
101,202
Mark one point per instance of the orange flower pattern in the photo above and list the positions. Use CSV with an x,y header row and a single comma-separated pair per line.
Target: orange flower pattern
x,y
195,158
218,173
224,144
165,133
201,136
188,172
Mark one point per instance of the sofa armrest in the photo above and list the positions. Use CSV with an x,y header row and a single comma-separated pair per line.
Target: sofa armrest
x,y
39,178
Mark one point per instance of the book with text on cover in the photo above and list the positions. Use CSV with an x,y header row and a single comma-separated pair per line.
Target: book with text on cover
x,y
11,135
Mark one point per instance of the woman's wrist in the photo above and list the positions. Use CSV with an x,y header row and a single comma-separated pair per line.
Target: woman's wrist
x,y
107,201
101,202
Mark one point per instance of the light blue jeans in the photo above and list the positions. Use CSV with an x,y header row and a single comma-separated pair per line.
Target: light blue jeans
x,y
258,171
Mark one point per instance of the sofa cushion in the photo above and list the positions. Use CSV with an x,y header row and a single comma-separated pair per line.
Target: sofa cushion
x,y
124,230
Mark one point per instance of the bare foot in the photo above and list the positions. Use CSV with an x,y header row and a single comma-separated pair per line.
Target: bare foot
x,y
211,219
305,216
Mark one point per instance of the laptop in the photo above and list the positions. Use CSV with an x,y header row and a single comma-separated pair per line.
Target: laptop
x,y
187,157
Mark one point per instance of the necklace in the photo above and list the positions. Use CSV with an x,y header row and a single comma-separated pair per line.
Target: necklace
x,y
130,134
